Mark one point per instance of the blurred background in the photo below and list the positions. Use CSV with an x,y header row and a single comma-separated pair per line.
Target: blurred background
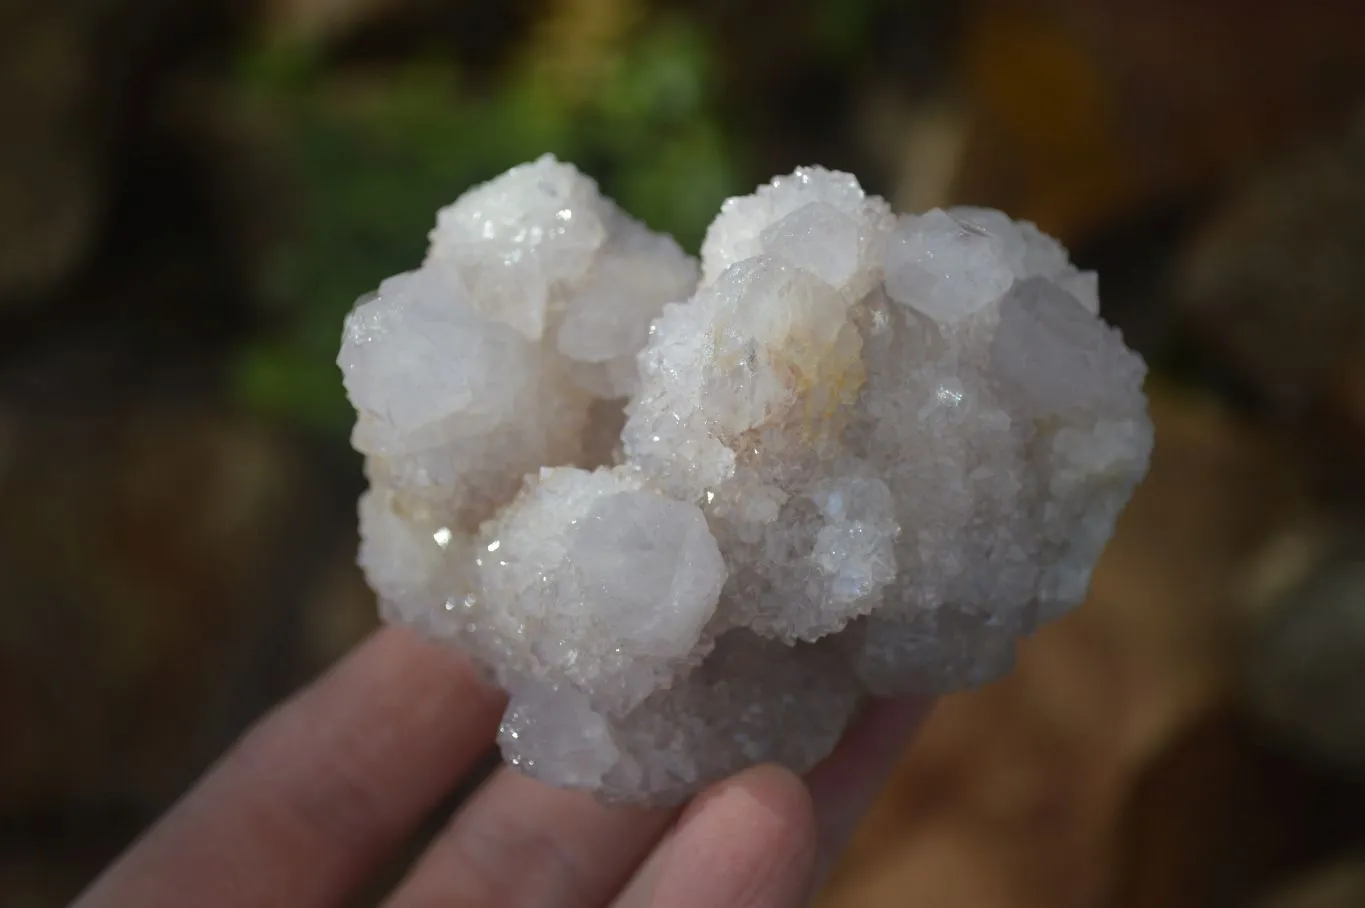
x,y
193,194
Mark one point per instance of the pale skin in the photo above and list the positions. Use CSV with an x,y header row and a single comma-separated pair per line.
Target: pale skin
x,y
314,798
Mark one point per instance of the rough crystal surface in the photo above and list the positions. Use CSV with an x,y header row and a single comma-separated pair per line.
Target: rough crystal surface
x,y
689,516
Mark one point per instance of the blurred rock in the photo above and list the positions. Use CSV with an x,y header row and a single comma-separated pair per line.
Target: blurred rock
x,y
1274,279
77,79
1046,139
1339,884
1205,89
153,551
918,141
52,163
1091,110
1305,663
1219,818
1011,796
325,20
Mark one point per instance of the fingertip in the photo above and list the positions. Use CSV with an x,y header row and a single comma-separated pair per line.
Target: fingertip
x,y
846,783
776,805
750,840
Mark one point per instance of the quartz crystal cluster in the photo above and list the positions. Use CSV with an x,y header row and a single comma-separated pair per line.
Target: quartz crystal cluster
x,y
689,515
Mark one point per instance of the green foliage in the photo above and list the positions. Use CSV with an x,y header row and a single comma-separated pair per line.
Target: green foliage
x,y
372,155
282,381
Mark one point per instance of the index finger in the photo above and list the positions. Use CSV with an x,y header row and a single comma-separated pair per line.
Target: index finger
x,y
307,803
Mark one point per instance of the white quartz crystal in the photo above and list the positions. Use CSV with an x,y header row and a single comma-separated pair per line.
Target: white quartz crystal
x,y
688,517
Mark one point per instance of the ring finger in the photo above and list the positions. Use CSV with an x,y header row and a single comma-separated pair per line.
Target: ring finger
x,y
520,844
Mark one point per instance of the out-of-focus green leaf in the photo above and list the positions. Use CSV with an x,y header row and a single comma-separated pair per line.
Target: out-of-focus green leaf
x,y
373,155
278,65
683,184
287,384
662,79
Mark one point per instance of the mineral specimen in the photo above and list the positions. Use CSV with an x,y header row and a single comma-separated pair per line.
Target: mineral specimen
x,y
690,517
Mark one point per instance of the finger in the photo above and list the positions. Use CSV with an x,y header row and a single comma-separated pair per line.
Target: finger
x,y
844,785
307,803
747,842
519,843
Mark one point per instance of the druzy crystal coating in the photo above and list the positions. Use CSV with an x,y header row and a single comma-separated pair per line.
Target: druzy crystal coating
x,y
689,515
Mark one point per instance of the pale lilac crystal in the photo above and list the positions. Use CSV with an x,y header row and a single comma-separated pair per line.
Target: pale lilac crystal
x,y
689,515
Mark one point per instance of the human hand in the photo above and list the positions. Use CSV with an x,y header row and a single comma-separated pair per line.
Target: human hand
x,y
313,799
